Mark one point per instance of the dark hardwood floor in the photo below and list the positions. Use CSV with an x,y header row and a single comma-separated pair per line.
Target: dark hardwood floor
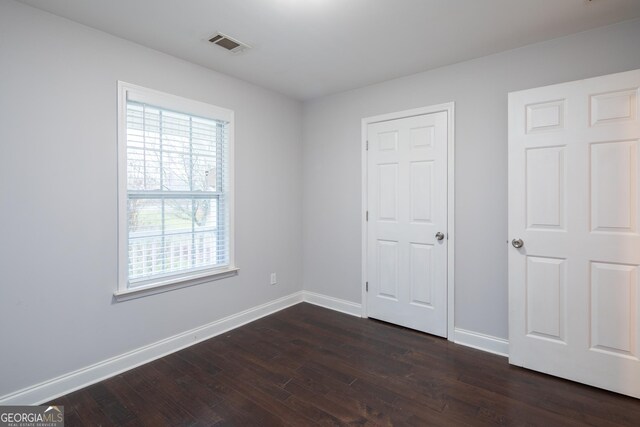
x,y
307,365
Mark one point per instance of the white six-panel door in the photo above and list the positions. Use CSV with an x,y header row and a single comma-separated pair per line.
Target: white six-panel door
x,y
573,205
407,208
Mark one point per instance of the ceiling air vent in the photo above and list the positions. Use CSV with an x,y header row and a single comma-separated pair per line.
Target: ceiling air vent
x,y
228,43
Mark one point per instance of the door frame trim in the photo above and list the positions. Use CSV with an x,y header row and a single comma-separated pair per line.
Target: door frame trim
x,y
449,108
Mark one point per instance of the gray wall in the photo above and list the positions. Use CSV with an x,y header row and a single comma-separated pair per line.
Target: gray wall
x,y
58,197
332,169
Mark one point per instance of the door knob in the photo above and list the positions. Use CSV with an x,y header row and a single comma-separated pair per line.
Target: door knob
x,y
517,243
439,236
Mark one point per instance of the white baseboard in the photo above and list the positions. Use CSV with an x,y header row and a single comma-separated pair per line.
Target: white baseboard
x,y
332,303
482,342
472,339
84,377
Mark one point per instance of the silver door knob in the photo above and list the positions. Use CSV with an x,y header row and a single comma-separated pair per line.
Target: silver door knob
x,y
517,243
439,236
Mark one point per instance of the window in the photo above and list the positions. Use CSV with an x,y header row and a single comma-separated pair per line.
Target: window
x,y
175,198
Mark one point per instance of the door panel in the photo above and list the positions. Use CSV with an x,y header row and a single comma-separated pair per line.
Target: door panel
x,y
613,312
421,271
613,186
545,297
421,192
573,200
388,192
545,188
407,205
387,268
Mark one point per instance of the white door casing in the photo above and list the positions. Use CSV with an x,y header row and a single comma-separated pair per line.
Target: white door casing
x,y
407,207
573,201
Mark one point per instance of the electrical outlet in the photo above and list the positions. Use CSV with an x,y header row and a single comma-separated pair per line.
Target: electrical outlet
x,y
273,279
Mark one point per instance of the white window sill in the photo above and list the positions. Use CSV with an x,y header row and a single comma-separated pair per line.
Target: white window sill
x,y
173,283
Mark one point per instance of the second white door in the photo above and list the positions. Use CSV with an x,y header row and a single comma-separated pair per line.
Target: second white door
x,y
407,222
574,215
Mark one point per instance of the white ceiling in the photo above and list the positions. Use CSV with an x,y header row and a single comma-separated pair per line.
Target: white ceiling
x,y
310,48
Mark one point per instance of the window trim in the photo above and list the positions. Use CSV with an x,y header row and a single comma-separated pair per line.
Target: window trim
x,y
127,91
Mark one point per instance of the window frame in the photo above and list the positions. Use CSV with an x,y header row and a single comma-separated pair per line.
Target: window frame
x,y
127,91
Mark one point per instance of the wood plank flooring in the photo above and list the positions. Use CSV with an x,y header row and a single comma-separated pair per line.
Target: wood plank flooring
x,y
311,366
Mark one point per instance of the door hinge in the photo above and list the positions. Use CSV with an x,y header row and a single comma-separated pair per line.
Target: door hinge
x,y
367,145
367,286
367,216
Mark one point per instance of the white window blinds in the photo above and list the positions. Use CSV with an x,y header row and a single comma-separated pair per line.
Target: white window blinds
x,y
177,193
